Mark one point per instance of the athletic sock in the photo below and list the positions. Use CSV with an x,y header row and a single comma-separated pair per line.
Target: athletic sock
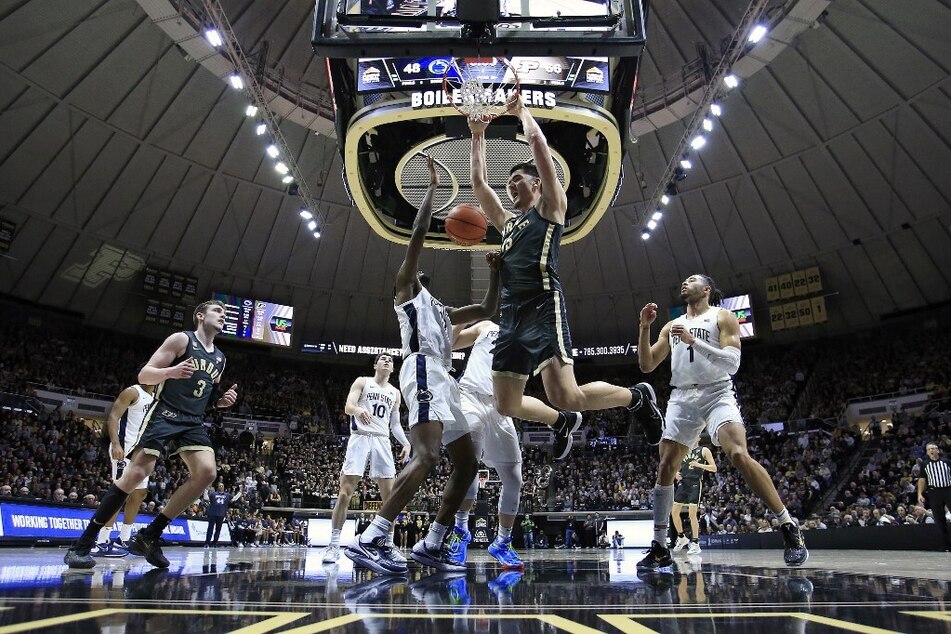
x,y
104,534
157,526
125,532
437,532
462,520
335,537
783,516
111,502
504,533
389,538
663,503
679,535
379,527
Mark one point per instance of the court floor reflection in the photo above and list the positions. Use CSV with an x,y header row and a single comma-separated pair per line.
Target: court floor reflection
x,y
582,591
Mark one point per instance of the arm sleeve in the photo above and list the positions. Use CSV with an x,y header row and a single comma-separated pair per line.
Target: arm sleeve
x,y
396,428
727,358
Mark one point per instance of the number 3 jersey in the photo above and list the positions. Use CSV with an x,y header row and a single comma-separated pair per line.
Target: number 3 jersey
x,y
689,367
379,401
191,395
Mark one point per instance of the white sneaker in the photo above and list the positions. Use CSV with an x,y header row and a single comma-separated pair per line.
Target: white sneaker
x,y
395,553
694,548
332,554
682,542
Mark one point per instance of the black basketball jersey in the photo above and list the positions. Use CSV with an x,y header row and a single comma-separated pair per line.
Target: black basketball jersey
x,y
529,255
191,395
688,474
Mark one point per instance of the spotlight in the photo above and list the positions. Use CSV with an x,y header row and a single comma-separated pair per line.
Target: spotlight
x,y
281,168
651,224
698,142
250,111
272,151
665,199
305,214
287,179
213,37
686,164
260,129
731,81
715,109
759,32
312,225
657,215
236,81
316,234
645,234
708,124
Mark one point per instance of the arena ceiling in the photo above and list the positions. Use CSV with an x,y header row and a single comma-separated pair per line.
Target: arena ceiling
x,y
117,151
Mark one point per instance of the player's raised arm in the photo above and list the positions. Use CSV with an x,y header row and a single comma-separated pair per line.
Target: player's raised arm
x,y
463,337
407,286
490,304
488,199
650,356
554,200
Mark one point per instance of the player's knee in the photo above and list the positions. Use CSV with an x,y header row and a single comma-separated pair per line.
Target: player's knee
x,y
738,456
508,407
205,474
428,457
566,399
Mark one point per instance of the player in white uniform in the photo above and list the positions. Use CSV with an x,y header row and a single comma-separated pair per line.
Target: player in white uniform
x,y
373,405
432,398
125,421
496,444
704,349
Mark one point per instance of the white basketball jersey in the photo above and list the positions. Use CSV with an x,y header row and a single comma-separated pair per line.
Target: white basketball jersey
x,y
425,328
131,421
688,366
379,402
478,375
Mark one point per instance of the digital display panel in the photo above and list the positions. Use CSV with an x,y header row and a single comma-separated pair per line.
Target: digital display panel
x,y
507,8
739,305
255,320
578,74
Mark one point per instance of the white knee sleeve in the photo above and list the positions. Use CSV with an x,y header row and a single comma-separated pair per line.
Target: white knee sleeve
x,y
511,476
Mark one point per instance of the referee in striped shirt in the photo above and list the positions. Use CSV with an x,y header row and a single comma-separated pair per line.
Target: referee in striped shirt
x,y
937,477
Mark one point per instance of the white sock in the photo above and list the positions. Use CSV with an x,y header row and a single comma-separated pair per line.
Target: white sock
x,y
783,516
390,538
663,503
462,520
379,527
125,532
335,537
504,533
437,532
104,534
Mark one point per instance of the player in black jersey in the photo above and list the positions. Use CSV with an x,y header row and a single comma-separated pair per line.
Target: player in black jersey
x,y
187,369
696,463
533,336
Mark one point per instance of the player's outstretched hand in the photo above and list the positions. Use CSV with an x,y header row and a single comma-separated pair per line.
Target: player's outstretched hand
x,y
404,453
183,370
228,398
477,125
516,105
495,261
433,176
648,314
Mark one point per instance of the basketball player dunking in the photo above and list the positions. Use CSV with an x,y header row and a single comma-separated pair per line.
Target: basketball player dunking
x,y
496,444
125,421
373,405
432,397
695,464
187,369
704,349
533,336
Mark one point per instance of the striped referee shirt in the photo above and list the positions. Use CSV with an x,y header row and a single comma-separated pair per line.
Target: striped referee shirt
x,y
938,474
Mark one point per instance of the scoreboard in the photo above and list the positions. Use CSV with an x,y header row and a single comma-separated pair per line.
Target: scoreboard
x,y
576,74
255,320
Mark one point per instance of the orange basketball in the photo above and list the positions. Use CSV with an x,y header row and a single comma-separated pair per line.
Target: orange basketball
x,y
466,224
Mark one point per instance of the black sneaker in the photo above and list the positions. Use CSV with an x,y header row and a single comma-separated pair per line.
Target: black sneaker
x,y
563,435
79,557
148,547
645,413
795,553
658,558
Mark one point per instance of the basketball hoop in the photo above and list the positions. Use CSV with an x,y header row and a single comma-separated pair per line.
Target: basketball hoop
x,y
481,88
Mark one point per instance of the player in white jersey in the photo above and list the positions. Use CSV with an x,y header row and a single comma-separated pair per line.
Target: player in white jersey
x,y
704,349
496,444
373,405
125,421
432,398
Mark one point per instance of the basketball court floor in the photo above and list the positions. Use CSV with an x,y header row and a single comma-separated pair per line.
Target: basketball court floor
x,y
582,591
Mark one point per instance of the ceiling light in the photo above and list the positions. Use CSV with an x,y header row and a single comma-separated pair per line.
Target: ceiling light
x,y
686,164
657,215
213,37
312,225
316,234
665,199
645,234
715,109
261,129
651,224
698,142
287,179
272,151
759,32
281,168
306,215
250,111
731,81
708,124
236,81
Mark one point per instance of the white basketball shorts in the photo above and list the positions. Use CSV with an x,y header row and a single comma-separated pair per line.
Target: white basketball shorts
x,y
690,410
432,395
493,435
375,449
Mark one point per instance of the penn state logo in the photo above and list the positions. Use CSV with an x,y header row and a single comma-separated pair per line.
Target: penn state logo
x,y
424,396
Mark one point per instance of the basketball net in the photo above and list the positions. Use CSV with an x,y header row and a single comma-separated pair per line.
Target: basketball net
x,y
481,88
